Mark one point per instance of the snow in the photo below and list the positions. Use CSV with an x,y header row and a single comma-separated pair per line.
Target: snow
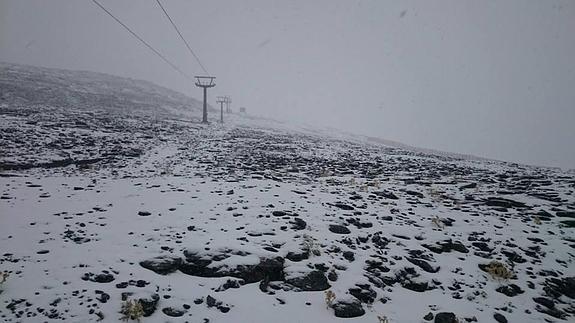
x,y
213,189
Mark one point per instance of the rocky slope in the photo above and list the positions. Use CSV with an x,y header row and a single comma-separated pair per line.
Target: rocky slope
x,y
246,222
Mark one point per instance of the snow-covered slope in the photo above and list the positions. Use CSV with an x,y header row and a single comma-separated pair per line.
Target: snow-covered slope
x,y
255,220
24,85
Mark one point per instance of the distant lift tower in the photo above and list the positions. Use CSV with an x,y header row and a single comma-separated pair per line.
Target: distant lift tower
x,y
205,82
221,100
228,102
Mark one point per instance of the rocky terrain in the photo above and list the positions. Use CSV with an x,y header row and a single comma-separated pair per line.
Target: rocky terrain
x,y
252,222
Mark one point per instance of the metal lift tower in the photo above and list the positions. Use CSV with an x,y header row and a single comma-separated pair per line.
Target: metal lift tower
x,y
221,100
228,102
205,82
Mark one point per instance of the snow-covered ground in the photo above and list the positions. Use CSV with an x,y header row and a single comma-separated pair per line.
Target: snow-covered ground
x,y
255,220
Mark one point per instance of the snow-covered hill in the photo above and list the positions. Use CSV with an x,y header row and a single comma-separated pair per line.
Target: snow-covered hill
x,y
256,221
23,85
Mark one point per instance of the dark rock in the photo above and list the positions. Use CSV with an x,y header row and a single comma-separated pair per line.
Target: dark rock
x,y
470,185
549,308
297,256
380,241
149,305
223,309
279,213
162,265
230,283
100,278
144,213
344,206
428,316
555,287
565,214
349,255
122,285
499,318
298,224
348,309
416,286
414,193
312,281
387,195
423,265
103,297
340,229
510,290
211,302
513,256
170,311
445,317
544,301
481,246
364,293
332,276
271,269
505,203
447,246
197,265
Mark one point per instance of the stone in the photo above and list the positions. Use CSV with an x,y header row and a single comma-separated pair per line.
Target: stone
x,y
423,265
349,256
344,206
555,287
565,214
348,309
99,278
149,305
298,224
500,318
467,186
387,195
172,312
544,301
313,281
339,229
502,202
510,290
162,265
445,317
297,256
447,246
364,293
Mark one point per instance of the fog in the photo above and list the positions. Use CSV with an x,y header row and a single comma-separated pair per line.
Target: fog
x,y
489,78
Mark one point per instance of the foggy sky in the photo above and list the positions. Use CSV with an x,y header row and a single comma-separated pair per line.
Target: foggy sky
x,y
490,78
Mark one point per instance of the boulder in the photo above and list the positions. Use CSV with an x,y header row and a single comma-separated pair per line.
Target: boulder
x,y
162,265
348,309
313,281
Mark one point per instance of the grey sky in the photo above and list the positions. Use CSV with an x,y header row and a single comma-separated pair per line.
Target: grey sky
x,y
490,78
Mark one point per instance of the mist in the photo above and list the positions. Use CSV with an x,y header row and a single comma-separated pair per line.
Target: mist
x,y
493,79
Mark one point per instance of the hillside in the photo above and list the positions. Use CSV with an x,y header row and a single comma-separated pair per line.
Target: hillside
x,y
256,221
23,85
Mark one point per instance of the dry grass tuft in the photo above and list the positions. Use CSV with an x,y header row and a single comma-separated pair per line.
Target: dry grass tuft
x,y
3,276
329,298
383,319
132,310
498,270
